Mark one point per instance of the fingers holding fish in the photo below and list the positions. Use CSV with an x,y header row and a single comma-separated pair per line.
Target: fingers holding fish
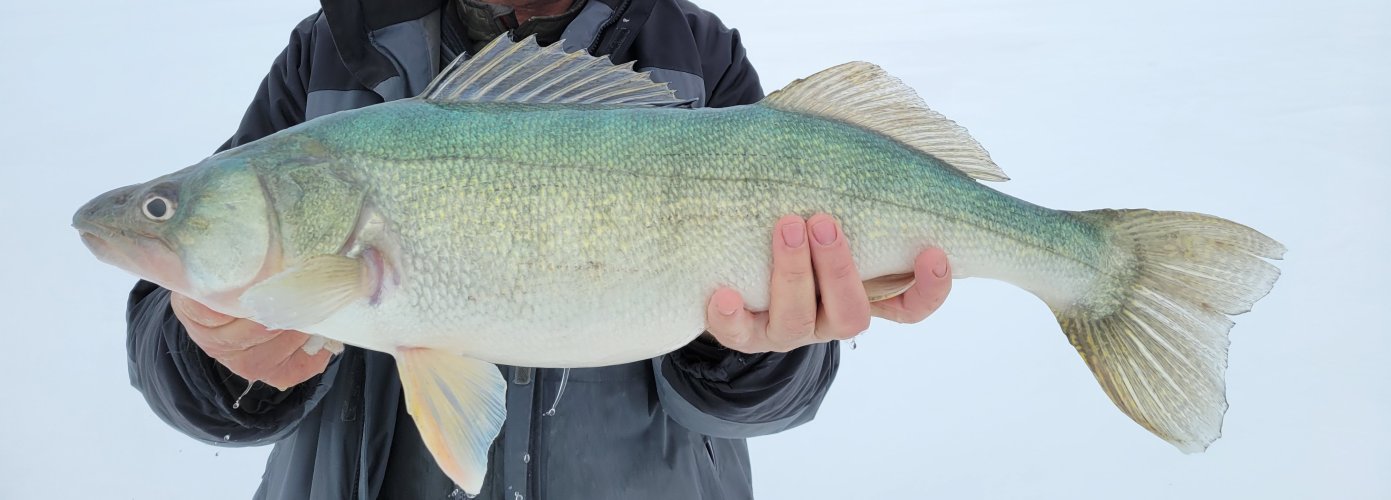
x,y
187,310
844,311
809,256
731,324
792,309
932,283
247,348
215,332
296,368
279,362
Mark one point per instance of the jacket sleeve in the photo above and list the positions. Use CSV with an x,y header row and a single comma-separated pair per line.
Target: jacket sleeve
x,y
725,393
186,388
730,79
718,391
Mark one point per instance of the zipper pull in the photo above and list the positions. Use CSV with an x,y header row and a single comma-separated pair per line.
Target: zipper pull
x,y
522,375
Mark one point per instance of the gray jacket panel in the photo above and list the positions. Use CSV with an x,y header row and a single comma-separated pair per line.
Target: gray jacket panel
x,y
672,427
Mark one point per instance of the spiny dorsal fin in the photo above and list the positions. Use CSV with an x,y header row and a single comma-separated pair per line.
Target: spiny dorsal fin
x,y
864,95
507,71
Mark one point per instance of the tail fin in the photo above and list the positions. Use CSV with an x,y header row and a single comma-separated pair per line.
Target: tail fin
x,y
1160,350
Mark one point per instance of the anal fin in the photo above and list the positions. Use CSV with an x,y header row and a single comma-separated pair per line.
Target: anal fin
x,y
888,286
458,404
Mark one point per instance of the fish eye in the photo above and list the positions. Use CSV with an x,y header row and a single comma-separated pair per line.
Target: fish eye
x,y
158,208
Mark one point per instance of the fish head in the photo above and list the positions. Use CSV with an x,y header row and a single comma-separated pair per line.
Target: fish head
x,y
204,231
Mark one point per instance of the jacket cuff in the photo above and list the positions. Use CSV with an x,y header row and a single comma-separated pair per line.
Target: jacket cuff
x,y
725,393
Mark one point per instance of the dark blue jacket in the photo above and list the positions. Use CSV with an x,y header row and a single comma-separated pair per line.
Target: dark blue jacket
x,y
670,428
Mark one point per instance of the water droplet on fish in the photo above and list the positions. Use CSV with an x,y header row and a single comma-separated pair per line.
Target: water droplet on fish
x,y
226,437
526,459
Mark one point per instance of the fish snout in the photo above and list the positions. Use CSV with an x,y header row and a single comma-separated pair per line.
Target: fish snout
x,y
101,213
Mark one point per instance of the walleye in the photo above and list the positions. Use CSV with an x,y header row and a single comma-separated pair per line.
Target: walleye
x,y
540,208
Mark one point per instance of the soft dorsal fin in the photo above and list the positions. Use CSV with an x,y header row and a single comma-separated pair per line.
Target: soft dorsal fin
x,y
525,72
864,95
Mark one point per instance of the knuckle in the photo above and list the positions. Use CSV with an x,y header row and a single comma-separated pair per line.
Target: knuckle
x,y
743,343
750,347
841,269
728,337
283,380
232,337
796,325
731,339
846,329
239,366
859,325
847,317
890,313
916,314
794,271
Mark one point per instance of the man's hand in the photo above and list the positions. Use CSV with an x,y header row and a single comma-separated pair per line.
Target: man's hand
x,y
810,256
247,348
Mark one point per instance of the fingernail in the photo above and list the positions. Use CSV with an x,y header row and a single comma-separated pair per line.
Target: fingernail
x,y
824,232
793,235
940,270
727,303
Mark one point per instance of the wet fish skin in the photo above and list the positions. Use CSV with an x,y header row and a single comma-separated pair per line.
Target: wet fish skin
x,y
559,234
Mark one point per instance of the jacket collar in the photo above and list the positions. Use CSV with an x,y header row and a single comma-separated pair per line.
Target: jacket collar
x,y
392,46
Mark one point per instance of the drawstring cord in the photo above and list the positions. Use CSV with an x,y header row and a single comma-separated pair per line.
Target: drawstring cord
x,y
564,376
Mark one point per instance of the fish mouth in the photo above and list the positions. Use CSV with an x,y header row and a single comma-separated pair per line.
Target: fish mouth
x,y
98,239
93,233
95,237
143,255
101,242
95,244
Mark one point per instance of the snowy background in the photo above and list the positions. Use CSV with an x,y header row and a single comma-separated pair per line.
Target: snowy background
x,y
1274,114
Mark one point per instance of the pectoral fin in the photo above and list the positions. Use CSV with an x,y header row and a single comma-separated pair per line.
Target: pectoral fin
x,y
888,286
307,294
458,405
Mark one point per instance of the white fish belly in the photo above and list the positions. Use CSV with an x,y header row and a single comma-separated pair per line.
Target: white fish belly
x,y
608,321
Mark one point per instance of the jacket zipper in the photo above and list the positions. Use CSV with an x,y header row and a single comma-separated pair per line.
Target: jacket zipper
x,y
608,23
533,467
352,412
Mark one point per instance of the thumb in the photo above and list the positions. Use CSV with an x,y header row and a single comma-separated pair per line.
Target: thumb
x,y
192,310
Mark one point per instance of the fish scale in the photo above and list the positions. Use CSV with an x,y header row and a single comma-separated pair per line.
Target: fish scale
x,y
533,223
488,245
